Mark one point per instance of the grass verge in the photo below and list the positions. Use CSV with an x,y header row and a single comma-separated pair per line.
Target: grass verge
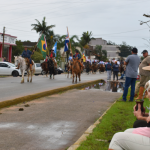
x,y
117,119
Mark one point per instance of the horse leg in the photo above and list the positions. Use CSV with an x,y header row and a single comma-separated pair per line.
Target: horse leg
x,y
76,78
73,77
28,75
79,75
31,77
22,72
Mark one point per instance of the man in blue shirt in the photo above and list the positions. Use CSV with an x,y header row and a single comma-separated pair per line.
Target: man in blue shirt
x,y
132,62
108,69
77,55
27,54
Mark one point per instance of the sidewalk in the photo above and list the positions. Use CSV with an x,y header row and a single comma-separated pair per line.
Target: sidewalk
x,y
54,122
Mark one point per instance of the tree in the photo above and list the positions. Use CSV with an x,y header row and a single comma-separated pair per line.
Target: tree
x,y
37,57
125,49
86,38
58,57
42,27
18,49
99,53
111,43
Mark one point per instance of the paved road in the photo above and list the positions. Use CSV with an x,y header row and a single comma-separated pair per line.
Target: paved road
x,y
54,122
10,87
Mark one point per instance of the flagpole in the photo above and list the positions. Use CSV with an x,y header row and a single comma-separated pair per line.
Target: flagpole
x,y
69,41
38,40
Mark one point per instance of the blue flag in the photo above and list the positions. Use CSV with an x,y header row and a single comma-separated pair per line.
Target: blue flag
x,y
55,49
66,43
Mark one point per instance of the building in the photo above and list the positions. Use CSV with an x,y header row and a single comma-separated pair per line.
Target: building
x,y
112,50
9,41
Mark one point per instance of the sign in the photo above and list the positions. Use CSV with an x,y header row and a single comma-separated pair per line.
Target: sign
x,y
8,39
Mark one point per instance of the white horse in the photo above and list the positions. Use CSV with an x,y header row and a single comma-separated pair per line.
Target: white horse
x,y
24,67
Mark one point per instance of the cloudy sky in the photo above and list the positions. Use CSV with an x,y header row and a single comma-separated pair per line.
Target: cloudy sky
x,y
114,20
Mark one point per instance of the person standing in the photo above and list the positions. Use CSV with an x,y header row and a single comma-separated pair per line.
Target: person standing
x,y
132,63
144,74
115,70
108,69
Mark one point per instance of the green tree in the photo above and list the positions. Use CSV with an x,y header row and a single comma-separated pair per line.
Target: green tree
x,y
37,57
42,27
18,49
58,57
125,49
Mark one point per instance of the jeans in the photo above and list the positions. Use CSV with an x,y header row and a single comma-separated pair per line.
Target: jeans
x,y
115,73
108,74
128,82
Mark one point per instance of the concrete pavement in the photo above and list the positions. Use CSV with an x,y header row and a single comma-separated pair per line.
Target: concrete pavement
x,y
10,87
54,122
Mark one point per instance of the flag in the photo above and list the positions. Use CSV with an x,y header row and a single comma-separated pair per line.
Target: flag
x,y
55,48
66,42
42,45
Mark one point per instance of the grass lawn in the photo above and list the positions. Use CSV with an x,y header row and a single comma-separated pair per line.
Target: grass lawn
x,y
118,118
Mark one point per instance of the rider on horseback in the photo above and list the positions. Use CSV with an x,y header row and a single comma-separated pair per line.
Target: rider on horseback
x,y
52,56
77,55
27,55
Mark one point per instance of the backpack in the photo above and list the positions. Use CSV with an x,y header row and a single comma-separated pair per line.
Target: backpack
x,y
108,67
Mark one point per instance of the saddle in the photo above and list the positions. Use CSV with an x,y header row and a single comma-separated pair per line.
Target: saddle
x,y
28,62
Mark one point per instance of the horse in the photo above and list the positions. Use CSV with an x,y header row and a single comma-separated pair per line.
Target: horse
x,y
69,64
76,69
121,68
88,67
101,68
94,67
44,67
24,66
51,67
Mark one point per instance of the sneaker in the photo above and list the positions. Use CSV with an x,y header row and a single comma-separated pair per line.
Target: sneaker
x,y
130,101
121,100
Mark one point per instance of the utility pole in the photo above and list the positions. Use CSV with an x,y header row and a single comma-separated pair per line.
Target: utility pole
x,y
3,37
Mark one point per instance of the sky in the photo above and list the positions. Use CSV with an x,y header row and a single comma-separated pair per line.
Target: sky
x,y
112,20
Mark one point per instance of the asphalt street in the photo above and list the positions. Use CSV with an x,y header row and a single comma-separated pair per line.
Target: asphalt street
x,y
54,122
10,87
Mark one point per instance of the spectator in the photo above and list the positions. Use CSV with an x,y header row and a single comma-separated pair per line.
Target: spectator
x,y
4,59
108,69
144,74
137,138
115,70
132,63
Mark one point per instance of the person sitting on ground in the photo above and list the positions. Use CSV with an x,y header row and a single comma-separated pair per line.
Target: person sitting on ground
x,y
27,55
115,70
137,138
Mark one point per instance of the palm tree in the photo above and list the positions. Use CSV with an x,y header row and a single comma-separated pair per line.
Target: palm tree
x,y
42,27
86,38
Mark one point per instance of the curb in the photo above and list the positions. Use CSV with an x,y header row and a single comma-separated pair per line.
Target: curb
x,y
15,101
87,132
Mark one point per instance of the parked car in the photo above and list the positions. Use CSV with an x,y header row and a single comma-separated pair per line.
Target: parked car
x,y
38,69
59,70
7,68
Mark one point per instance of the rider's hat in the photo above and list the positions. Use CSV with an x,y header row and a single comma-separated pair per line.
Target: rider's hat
x,y
76,50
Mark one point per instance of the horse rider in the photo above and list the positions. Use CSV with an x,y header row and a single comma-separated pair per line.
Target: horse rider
x,y
77,55
27,55
52,56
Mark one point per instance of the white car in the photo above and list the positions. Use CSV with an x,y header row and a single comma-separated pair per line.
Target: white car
x,y
38,68
7,68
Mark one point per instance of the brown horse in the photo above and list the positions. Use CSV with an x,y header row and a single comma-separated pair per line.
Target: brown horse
x,y
121,68
101,68
44,67
76,69
94,67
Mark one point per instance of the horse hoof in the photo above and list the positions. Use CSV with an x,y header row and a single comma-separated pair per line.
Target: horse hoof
x,y
30,81
22,81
